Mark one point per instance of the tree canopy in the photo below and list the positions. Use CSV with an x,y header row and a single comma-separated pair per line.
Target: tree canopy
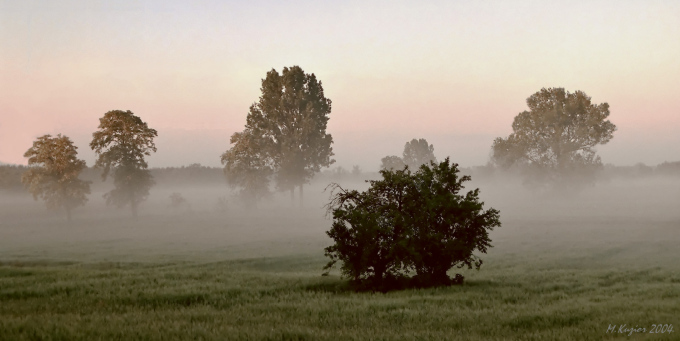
x,y
286,129
392,162
408,222
246,165
557,135
54,171
417,153
122,143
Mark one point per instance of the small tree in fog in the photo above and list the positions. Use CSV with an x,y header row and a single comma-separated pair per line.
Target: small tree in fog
x,y
121,144
557,136
409,222
417,153
247,165
356,171
178,201
53,175
290,122
392,162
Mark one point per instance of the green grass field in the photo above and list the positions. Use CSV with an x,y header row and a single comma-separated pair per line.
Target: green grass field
x,y
208,276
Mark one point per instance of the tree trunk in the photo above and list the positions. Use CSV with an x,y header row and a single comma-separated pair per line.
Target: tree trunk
x,y
133,205
301,195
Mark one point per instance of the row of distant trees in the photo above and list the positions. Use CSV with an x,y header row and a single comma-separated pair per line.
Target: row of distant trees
x,y
121,145
553,143
285,142
284,138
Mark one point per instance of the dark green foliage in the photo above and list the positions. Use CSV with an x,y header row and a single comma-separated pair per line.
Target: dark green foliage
x,y
369,229
408,222
121,143
447,226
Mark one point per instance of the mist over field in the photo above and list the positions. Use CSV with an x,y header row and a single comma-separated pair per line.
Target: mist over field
x,y
624,215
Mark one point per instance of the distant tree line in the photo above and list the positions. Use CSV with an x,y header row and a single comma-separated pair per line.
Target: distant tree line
x,y
285,143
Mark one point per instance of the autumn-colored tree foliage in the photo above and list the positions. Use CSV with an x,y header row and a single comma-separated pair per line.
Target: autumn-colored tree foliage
x,y
556,138
248,166
53,173
408,223
285,131
121,144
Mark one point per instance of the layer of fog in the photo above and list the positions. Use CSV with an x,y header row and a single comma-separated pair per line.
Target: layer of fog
x,y
634,214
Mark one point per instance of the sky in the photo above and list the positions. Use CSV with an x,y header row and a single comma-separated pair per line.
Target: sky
x,y
453,72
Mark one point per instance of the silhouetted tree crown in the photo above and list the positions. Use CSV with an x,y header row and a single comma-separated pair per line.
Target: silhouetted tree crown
x,y
121,144
392,162
54,171
408,222
417,153
557,135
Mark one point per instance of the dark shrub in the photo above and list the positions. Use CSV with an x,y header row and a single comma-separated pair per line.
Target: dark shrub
x,y
408,223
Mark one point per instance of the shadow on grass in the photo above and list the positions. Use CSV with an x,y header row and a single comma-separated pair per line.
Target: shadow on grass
x,y
330,285
336,285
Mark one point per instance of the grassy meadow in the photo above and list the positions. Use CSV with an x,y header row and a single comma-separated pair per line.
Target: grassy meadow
x,y
564,268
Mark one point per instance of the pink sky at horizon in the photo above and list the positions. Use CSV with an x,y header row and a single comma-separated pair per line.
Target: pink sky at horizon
x,y
455,74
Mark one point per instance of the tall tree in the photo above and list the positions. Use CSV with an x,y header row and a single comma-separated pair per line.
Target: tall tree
x,y
417,153
53,175
121,143
290,122
247,165
557,135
